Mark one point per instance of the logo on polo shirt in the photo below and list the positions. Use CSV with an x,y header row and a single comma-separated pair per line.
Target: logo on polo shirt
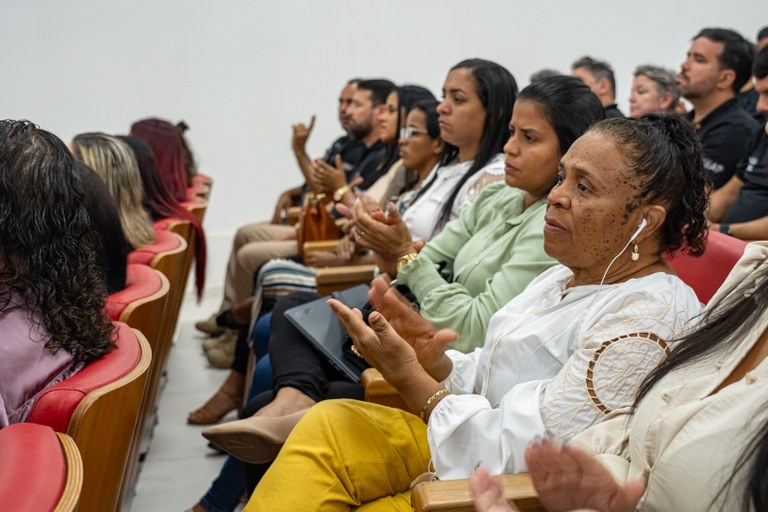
x,y
712,166
751,163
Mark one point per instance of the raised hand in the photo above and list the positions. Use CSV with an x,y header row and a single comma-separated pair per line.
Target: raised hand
x,y
330,178
389,236
398,311
568,478
345,249
384,349
301,134
488,493
428,344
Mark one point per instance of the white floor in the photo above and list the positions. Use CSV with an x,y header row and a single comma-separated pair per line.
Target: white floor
x,y
180,467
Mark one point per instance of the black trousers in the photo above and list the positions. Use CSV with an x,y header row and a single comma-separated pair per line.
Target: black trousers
x,y
297,364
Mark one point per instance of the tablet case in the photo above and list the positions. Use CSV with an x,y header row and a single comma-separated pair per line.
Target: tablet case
x,y
317,321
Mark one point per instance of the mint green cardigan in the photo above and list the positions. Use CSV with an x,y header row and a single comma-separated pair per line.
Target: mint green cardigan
x,y
493,250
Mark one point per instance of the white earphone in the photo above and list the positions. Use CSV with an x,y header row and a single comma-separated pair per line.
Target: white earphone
x,y
640,227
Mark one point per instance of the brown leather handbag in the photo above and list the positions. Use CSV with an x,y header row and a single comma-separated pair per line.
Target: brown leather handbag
x,y
316,223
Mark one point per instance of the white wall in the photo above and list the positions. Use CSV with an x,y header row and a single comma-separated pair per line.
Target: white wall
x,y
240,72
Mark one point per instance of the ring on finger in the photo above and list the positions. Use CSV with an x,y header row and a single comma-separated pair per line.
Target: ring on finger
x,y
355,351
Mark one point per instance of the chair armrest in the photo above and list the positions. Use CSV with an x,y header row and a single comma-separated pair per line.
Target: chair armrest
x,y
379,391
332,279
453,495
321,246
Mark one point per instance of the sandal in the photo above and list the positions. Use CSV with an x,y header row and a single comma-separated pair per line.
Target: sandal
x,y
218,406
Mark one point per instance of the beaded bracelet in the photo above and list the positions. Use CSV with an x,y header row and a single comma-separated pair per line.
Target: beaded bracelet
x,y
431,399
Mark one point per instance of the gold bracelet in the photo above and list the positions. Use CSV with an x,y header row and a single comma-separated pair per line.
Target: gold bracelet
x,y
340,193
406,259
431,399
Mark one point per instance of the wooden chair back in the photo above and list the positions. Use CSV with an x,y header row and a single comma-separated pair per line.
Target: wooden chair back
x,y
196,205
142,305
99,407
185,230
168,255
40,470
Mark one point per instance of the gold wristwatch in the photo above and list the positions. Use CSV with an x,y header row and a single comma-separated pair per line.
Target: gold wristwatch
x,y
406,259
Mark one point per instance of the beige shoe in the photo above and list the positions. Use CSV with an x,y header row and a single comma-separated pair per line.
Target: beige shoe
x,y
221,341
256,440
223,354
210,326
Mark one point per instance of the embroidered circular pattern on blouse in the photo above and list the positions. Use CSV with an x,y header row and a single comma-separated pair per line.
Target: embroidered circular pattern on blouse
x,y
617,368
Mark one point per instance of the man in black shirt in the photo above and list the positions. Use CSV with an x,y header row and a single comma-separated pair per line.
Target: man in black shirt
x,y
347,147
742,203
367,103
598,76
717,66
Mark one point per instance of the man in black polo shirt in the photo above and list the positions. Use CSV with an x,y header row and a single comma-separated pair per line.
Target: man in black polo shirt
x,y
717,66
598,76
349,148
742,203
367,103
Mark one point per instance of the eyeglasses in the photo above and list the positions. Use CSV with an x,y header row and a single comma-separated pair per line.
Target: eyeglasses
x,y
408,132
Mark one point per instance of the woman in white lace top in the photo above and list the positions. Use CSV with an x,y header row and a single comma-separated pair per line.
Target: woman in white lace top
x,y
568,350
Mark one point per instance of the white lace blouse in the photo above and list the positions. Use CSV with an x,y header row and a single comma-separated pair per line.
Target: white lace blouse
x,y
422,214
555,359
685,439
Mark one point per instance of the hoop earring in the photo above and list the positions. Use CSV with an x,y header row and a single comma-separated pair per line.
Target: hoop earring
x,y
635,254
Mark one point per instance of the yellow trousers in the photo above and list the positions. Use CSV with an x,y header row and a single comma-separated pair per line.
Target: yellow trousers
x,y
344,455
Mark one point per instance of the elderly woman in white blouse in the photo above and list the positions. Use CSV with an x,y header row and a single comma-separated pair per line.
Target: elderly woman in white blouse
x,y
560,356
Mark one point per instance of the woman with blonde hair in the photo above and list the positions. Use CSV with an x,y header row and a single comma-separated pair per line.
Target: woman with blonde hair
x,y
116,164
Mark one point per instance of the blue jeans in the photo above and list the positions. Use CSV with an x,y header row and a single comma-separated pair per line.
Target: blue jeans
x,y
225,492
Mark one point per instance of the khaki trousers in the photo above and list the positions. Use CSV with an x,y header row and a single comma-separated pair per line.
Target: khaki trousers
x,y
254,245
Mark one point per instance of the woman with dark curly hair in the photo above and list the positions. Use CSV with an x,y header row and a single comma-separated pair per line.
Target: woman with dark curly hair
x,y
52,290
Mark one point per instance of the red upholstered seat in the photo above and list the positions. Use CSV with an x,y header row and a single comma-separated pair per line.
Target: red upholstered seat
x,y
165,242
706,273
54,407
39,471
98,407
203,179
141,281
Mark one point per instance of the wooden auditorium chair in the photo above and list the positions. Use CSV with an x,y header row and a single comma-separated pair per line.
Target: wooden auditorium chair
x,y
202,180
40,470
185,229
705,274
169,255
142,305
98,407
201,186
196,205
332,279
